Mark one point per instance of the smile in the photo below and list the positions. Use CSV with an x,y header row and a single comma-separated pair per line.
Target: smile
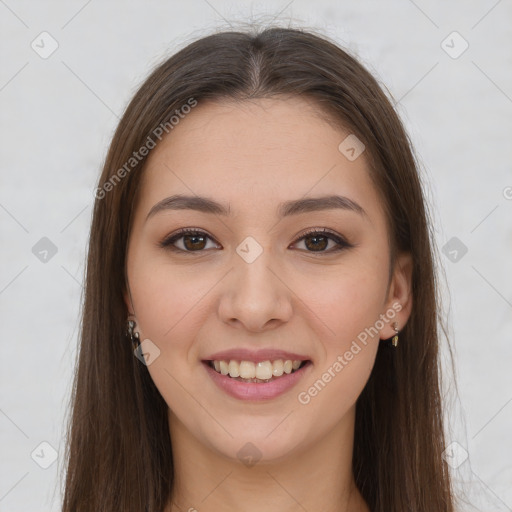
x,y
262,371
256,381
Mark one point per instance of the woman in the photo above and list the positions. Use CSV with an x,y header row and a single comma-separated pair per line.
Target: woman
x,y
260,318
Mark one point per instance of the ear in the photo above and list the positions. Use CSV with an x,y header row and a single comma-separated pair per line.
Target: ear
x,y
399,297
127,302
127,298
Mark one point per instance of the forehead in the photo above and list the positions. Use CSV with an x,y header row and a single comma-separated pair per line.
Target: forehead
x,y
253,154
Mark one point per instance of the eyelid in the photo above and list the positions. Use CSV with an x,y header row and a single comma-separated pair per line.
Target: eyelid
x,y
167,242
323,231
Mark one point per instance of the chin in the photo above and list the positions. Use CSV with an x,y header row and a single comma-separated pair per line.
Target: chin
x,y
258,448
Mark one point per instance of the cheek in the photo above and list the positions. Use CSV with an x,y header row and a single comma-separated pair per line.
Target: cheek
x,y
347,304
350,308
354,308
170,310
165,297
346,301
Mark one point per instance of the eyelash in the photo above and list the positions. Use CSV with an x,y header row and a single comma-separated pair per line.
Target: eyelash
x,y
168,242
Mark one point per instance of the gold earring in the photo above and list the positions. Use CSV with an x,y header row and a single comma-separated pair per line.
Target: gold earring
x,y
394,341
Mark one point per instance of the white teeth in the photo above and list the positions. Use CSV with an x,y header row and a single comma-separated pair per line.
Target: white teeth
x,y
224,368
247,369
234,369
277,368
263,370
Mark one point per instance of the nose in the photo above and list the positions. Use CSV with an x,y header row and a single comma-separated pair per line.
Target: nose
x,y
255,296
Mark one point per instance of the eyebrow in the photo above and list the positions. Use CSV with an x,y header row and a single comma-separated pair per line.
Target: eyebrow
x,y
285,209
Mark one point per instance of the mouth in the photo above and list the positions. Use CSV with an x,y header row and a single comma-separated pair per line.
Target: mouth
x,y
257,375
260,372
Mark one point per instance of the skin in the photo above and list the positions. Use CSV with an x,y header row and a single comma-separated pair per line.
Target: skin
x,y
252,156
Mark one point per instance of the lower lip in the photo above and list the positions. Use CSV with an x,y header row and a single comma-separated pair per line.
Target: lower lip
x,y
257,390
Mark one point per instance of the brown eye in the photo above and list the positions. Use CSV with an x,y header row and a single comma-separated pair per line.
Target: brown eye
x,y
187,240
194,242
318,241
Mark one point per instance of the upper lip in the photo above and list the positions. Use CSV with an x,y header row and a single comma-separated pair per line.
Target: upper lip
x,y
264,354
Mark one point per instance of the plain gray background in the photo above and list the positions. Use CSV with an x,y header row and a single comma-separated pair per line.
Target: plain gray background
x,y
59,111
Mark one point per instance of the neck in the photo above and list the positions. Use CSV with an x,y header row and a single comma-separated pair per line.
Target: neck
x,y
316,476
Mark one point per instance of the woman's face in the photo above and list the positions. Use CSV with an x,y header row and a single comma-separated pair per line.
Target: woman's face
x,y
259,285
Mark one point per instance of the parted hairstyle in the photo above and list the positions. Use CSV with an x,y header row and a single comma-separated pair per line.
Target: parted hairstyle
x,y
118,451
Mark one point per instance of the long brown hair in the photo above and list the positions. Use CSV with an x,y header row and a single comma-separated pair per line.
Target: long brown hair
x,y
118,451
